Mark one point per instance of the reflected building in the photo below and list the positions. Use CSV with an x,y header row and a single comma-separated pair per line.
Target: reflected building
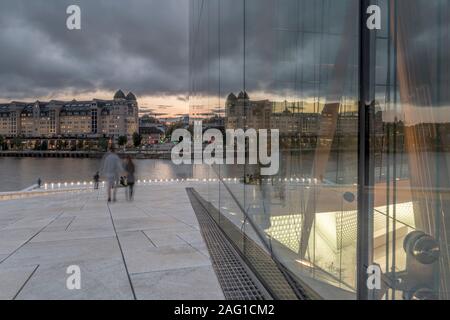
x,y
364,175
296,127
242,113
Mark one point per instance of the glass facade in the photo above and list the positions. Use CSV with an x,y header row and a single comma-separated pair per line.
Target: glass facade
x,y
300,67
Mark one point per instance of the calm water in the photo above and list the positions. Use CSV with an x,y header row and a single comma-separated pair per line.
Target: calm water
x,y
20,173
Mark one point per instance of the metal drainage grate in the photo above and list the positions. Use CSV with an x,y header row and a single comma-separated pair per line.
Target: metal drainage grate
x,y
233,276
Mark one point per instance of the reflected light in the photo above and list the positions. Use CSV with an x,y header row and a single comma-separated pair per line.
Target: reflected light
x,y
305,263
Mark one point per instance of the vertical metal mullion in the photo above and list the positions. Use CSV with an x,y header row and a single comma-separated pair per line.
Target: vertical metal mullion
x,y
219,49
244,38
365,163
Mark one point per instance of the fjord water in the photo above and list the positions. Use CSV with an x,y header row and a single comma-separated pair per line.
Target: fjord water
x,y
20,173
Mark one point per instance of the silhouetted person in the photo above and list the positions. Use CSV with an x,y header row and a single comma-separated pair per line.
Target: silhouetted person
x,y
111,170
39,183
96,180
130,170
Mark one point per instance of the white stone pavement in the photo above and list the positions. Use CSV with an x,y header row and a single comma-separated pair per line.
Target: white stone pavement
x,y
148,249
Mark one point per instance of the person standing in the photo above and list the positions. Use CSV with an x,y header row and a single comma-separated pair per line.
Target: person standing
x,y
130,171
96,180
111,170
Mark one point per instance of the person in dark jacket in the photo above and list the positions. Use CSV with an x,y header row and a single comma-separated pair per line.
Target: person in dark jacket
x,y
96,180
130,171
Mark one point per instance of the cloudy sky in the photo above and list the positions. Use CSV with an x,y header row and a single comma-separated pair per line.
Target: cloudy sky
x,y
143,46
308,51
137,45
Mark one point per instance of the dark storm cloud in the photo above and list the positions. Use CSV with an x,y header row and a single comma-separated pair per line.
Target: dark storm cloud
x,y
291,48
139,45
277,52
142,45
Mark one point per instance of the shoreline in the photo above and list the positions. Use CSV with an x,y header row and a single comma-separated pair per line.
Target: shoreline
x,y
161,155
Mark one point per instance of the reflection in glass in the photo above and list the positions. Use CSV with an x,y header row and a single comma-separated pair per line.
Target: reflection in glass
x,y
295,68
411,213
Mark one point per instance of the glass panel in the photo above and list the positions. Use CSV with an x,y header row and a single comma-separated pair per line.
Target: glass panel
x,y
287,65
411,218
294,68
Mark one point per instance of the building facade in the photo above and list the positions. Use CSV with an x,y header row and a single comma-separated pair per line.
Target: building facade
x,y
290,119
71,119
364,178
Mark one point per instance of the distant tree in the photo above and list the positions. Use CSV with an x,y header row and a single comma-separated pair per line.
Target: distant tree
x,y
73,145
44,145
90,145
137,139
103,144
58,144
17,141
3,143
37,145
122,141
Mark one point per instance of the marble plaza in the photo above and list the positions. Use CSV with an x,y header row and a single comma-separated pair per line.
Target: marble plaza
x,y
148,249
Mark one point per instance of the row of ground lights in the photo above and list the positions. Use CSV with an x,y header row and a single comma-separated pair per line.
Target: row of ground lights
x,y
60,185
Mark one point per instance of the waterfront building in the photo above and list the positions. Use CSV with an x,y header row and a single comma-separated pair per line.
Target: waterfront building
x,y
71,119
